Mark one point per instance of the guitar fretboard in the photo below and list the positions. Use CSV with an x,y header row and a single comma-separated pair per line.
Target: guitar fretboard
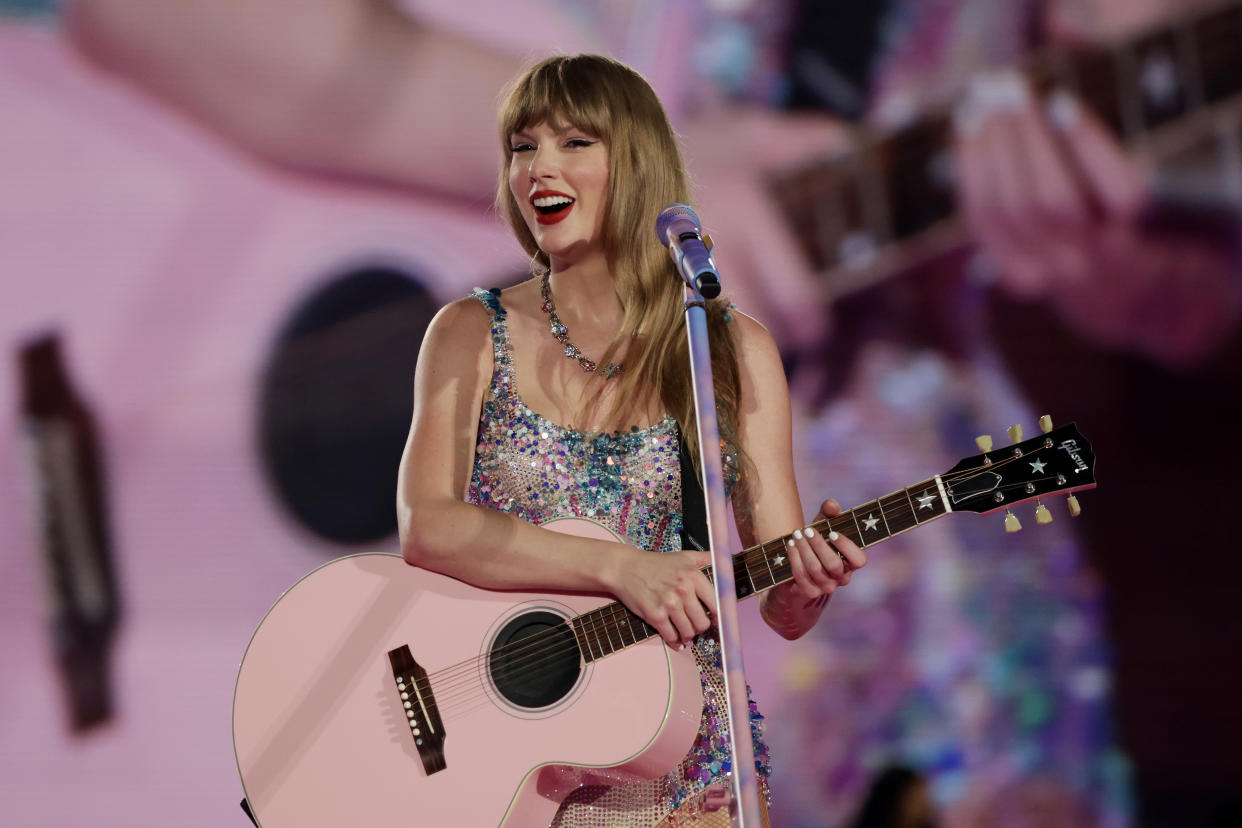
x,y
891,201
613,627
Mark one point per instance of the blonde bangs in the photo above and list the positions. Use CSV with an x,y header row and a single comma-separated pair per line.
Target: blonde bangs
x,y
549,94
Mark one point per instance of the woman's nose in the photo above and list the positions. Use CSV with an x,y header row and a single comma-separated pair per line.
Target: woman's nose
x,y
542,164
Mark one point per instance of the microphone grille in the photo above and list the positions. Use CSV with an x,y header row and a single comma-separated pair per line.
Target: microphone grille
x,y
670,214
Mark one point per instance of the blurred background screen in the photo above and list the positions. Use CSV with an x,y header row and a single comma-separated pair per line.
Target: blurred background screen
x,y
226,224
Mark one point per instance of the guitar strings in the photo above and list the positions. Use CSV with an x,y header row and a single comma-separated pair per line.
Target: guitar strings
x,y
535,651
538,643
542,652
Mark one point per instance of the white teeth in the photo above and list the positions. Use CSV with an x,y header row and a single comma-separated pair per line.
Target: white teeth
x,y
552,201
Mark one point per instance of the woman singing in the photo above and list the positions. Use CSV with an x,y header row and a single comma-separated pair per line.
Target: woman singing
x,y
568,394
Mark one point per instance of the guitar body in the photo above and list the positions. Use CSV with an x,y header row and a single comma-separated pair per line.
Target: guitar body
x,y
322,734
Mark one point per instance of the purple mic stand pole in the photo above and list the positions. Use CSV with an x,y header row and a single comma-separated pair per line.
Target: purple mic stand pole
x,y
744,804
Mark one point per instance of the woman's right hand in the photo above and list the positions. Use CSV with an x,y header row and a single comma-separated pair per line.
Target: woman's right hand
x,y
669,591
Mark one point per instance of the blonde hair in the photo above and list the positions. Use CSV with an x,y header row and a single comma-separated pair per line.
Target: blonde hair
x,y
611,101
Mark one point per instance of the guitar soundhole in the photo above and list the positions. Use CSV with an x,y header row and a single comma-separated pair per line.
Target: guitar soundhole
x,y
535,660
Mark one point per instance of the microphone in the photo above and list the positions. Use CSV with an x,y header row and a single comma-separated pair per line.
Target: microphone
x,y
677,228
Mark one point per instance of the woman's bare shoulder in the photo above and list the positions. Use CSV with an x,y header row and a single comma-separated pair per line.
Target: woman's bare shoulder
x,y
459,323
458,341
754,341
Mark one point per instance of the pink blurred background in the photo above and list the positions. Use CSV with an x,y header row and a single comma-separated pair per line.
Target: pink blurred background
x,y
170,241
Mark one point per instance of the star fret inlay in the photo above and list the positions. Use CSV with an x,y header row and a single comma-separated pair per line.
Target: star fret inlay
x,y
869,522
925,500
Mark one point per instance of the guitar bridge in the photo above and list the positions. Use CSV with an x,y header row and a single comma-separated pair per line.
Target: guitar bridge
x,y
421,713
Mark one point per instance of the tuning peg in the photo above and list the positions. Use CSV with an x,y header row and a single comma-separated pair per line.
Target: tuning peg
x,y
1045,424
1011,523
1042,515
1015,433
984,442
1075,509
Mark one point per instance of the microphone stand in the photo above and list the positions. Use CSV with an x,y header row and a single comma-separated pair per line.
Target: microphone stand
x,y
745,800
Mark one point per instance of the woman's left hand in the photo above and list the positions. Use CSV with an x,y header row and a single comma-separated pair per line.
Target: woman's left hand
x,y
821,563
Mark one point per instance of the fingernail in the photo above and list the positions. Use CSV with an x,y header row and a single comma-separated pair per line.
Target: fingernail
x,y
1063,110
790,544
809,532
833,535
987,94
998,91
1011,90
797,533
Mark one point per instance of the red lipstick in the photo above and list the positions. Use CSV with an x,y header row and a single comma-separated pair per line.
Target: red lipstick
x,y
551,217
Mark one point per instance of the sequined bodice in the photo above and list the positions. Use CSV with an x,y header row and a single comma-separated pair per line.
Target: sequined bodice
x,y
529,467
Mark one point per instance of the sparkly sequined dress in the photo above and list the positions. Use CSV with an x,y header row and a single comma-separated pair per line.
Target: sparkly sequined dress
x,y
530,467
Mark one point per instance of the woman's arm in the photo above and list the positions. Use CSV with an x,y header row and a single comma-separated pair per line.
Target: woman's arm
x,y
441,532
357,87
768,506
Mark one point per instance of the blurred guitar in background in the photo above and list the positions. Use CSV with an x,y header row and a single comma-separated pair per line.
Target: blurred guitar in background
x,y
1172,93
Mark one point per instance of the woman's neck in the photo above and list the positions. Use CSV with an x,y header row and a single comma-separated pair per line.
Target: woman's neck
x,y
584,291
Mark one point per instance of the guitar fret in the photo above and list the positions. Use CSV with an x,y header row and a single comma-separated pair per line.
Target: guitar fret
x,y
763,549
583,623
884,519
626,625
848,527
871,523
929,495
944,496
1097,80
783,569
595,633
879,502
620,620
743,585
609,626
919,190
859,541
582,641
903,517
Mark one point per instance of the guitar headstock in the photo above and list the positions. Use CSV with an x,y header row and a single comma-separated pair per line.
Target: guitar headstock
x,y
1057,461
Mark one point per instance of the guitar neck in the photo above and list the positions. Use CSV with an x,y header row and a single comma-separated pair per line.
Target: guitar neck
x,y
613,627
890,203
1059,461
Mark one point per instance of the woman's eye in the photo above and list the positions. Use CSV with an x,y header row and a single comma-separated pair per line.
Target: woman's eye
x,y
578,142
520,148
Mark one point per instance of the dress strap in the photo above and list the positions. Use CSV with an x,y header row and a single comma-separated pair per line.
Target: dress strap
x,y
502,353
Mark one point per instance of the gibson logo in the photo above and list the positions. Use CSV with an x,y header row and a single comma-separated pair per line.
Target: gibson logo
x,y
1071,448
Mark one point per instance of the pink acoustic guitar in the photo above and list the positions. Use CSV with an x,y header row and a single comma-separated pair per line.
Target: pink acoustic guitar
x,y
376,693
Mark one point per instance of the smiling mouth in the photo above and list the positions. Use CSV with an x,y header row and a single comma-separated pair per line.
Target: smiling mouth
x,y
550,209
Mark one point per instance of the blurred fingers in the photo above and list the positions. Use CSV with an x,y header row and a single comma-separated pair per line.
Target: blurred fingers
x,y
992,184
1114,180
